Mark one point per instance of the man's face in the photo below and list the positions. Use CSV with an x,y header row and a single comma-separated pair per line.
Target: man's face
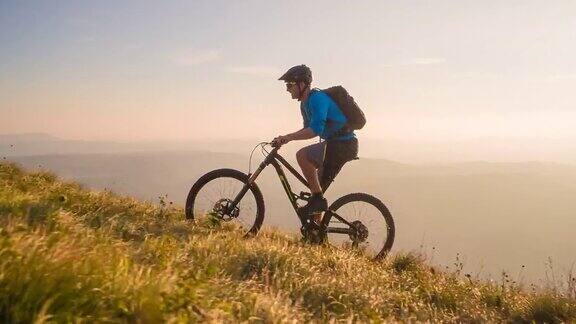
x,y
292,87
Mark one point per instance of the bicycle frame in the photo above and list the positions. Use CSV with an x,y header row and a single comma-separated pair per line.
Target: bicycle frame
x,y
277,160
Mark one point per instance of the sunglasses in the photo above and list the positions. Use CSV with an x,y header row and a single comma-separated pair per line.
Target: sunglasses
x,y
290,84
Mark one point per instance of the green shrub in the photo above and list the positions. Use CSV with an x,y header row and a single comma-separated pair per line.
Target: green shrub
x,y
548,308
409,262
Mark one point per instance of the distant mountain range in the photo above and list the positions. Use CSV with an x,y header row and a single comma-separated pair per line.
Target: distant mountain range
x,y
404,150
38,144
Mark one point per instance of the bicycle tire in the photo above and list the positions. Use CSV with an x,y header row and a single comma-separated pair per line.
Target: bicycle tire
x,y
233,174
379,205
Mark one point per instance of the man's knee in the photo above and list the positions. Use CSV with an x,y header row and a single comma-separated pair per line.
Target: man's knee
x,y
302,156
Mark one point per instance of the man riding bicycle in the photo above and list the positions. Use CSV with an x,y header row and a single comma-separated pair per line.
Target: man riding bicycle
x,y
320,162
356,219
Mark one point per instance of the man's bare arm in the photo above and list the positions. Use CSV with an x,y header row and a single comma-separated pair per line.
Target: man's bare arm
x,y
303,134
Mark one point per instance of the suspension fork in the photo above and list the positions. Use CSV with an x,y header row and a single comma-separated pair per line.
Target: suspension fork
x,y
251,178
270,159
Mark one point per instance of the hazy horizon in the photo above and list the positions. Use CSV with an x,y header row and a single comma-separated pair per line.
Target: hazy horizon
x,y
394,149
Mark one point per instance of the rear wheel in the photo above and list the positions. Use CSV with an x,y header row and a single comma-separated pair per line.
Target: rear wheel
x,y
213,194
372,226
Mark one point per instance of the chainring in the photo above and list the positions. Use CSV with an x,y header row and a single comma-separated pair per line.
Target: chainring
x,y
313,234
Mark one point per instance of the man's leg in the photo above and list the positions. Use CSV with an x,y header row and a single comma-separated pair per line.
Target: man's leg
x,y
309,169
337,155
310,158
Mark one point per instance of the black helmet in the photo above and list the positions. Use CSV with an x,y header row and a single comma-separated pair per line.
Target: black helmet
x,y
298,73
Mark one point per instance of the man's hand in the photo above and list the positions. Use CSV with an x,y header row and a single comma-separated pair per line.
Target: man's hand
x,y
303,134
280,140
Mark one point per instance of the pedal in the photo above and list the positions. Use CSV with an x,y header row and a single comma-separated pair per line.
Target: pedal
x,y
304,195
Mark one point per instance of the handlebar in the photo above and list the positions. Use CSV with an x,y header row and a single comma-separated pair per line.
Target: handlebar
x,y
275,148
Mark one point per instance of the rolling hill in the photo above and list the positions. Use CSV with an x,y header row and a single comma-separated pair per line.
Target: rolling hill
x,y
70,254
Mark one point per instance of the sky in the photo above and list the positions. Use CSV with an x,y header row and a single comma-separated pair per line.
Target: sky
x,y
421,70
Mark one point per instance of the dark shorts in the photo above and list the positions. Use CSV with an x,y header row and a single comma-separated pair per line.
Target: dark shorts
x,y
330,157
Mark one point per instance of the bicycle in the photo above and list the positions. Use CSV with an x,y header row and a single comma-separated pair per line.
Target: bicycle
x,y
342,222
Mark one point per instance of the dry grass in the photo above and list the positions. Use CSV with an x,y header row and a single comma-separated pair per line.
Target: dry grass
x,y
68,254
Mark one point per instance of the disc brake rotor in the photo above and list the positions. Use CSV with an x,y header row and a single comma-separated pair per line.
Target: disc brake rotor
x,y
222,210
359,233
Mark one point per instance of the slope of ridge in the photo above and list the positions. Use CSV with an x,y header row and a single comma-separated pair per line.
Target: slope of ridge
x,y
68,254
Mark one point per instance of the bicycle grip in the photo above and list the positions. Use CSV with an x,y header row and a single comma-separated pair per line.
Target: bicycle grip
x,y
275,144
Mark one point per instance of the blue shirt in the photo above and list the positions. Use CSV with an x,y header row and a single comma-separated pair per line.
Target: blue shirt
x,y
323,115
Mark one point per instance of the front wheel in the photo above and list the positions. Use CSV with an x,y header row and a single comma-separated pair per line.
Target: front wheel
x,y
370,224
212,195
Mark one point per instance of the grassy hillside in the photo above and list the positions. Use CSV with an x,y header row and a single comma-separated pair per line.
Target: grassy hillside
x,y
434,205
69,254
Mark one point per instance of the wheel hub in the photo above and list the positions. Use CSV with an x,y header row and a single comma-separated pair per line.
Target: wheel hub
x,y
359,232
222,210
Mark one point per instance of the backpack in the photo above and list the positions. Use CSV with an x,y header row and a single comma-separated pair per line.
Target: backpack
x,y
355,115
